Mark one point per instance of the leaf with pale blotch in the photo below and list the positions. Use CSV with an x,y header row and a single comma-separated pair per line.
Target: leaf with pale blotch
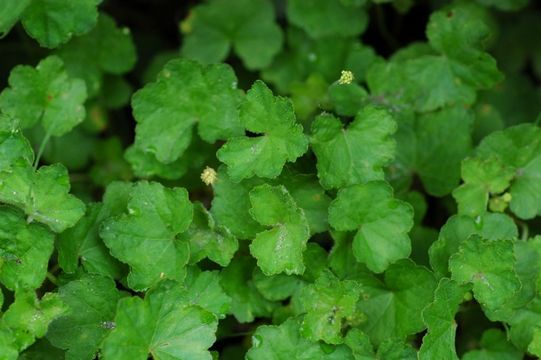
x,y
330,305
490,266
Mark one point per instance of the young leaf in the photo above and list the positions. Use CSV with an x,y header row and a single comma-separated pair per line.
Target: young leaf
x,y
330,305
459,228
280,138
146,235
91,302
248,26
185,94
28,318
160,326
43,195
489,266
24,251
276,342
439,317
382,221
44,94
354,155
208,240
481,178
518,147
281,248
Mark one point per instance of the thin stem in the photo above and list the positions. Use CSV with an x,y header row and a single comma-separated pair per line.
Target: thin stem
x,y
52,278
41,149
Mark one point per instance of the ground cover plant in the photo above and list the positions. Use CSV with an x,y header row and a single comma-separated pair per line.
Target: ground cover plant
x,y
289,179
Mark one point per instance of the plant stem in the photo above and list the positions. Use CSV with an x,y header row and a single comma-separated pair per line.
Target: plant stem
x,y
41,149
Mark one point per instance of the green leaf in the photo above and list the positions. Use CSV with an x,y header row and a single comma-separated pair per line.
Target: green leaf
x,y
382,222
203,288
28,318
10,12
185,94
360,345
43,195
518,147
428,82
393,307
13,145
506,5
160,326
146,236
481,178
231,205
247,301
396,350
208,240
330,306
310,197
494,345
458,228
321,18
276,287
489,266
54,22
279,249
44,94
248,26
24,251
82,244
439,317
347,99
91,301
105,49
276,342
280,138
437,159
354,155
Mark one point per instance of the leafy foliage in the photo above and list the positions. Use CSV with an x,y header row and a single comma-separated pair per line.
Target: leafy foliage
x,y
270,179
